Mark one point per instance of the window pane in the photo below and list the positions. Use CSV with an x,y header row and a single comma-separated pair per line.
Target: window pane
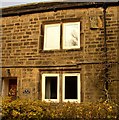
x,y
70,87
71,34
52,37
51,88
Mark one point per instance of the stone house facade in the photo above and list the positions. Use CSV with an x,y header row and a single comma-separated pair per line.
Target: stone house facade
x,y
61,51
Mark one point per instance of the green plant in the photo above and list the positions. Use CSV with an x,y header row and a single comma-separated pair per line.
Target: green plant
x,y
37,110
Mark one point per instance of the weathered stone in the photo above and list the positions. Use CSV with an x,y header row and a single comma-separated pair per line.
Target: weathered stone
x,y
22,38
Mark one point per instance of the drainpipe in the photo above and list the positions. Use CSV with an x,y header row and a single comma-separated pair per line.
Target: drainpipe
x,y
106,82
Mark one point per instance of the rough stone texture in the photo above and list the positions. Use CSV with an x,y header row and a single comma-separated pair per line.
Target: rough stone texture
x,y
22,51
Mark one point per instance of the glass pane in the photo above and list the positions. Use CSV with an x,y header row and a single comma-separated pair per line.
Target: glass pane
x,y
52,37
51,88
70,87
71,33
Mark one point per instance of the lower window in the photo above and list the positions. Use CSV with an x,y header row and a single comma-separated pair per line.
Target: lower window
x,y
50,87
71,87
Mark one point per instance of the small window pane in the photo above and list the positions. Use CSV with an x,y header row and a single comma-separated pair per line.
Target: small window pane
x,y
71,35
52,37
70,87
51,88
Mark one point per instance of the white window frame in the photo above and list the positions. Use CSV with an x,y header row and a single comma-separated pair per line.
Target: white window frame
x,y
78,87
59,37
64,35
43,87
51,42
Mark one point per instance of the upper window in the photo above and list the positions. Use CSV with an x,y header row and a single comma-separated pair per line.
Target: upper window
x,y
71,35
52,37
65,35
